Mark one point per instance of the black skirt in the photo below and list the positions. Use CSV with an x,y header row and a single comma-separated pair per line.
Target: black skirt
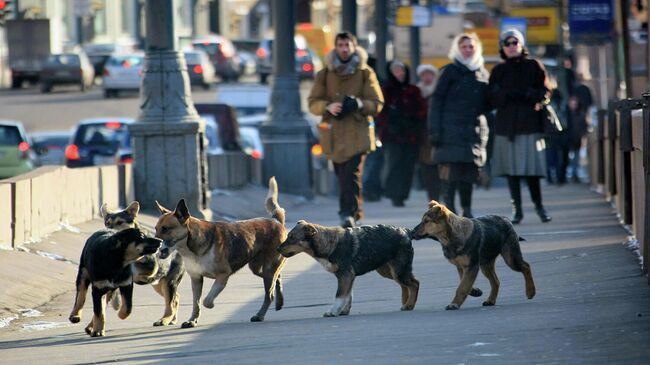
x,y
458,172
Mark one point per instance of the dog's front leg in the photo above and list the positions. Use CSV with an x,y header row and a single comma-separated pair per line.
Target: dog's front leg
x,y
197,288
465,287
475,292
343,294
127,301
98,322
220,282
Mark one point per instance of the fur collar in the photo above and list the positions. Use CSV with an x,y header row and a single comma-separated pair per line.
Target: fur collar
x,y
363,59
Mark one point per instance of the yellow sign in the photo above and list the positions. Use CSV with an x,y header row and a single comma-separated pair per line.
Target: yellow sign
x,y
489,38
543,24
413,16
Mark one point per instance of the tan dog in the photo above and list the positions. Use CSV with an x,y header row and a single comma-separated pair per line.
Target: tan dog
x,y
218,249
474,243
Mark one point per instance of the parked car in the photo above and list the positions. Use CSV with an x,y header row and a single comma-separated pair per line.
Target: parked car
x,y
67,68
98,54
246,50
16,155
199,68
49,147
100,141
304,59
123,73
223,55
212,134
225,128
247,99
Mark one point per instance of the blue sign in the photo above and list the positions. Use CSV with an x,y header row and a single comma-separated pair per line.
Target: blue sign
x,y
521,24
591,19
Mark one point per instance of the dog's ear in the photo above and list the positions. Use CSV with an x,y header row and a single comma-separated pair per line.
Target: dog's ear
x,y
310,230
133,209
433,203
103,210
162,209
181,212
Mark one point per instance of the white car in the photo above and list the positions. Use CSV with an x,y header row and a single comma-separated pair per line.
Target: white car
x,y
122,72
246,99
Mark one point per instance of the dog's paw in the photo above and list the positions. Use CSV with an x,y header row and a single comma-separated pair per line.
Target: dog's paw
x,y
74,319
88,330
189,324
475,292
279,303
162,322
452,307
257,318
407,308
329,314
97,334
530,293
488,303
208,303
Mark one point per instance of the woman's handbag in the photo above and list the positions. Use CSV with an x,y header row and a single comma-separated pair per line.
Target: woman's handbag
x,y
550,120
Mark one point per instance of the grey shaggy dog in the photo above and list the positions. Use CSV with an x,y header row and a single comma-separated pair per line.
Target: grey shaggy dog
x,y
350,252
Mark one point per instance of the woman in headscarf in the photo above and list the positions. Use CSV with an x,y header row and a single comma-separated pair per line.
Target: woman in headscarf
x,y
518,89
457,128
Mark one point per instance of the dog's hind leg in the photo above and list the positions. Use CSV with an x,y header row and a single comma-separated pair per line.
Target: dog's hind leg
x,y
411,286
490,273
126,292
268,298
469,276
343,294
475,292
197,289
80,299
511,253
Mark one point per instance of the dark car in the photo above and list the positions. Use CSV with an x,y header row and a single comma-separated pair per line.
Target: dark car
x,y
305,67
226,124
98,54
66,69
100,141
223,55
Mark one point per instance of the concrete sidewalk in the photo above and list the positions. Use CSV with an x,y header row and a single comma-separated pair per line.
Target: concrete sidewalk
x,y
591,304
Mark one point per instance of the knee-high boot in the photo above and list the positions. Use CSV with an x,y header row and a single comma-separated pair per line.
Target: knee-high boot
x,y
515,199
465,192
448,194
536,196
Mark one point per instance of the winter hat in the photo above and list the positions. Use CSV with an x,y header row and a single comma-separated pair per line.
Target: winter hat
x,y
512,33
396,63
426,67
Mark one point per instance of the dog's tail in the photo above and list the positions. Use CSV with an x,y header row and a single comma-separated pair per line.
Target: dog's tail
x,y
271,203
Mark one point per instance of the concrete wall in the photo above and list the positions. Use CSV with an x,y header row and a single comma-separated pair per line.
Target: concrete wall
x,y
34,204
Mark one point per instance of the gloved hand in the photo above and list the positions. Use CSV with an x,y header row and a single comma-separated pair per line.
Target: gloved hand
x,y
350,104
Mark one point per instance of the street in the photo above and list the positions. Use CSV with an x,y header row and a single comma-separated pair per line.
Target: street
x,y
591,305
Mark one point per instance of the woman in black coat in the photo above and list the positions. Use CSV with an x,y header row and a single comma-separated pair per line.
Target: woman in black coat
x,y
518,90
457,128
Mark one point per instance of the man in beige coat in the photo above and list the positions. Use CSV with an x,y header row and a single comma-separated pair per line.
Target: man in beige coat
x,y
347,94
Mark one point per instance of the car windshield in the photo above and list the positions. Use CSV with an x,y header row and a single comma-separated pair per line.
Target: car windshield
x,y
209,48
44,141
63,59
9,136
192,57
125,61
109,133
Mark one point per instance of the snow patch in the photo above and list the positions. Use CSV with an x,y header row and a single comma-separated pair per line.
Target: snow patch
x,y
489,355
43,325
477,344
28,312
632,244
68,227
6,248
4,322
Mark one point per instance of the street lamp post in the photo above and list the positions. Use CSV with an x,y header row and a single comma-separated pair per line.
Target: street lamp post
x,y
349,16
169,155
286,135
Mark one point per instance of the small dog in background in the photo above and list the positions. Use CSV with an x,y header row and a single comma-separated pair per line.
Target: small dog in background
x,y
474,243
106,264
164,274
351,252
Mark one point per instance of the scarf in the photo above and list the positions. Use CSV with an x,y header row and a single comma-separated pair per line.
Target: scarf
x,y
426,90
346,67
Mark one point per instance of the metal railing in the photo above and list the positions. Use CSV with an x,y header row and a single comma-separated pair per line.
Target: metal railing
x,y
620,158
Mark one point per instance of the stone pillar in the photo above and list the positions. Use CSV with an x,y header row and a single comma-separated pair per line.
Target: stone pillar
x,y
349,16
168,146
381,29
286,136
414,41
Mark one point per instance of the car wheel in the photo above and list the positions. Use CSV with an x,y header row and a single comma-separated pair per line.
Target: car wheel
x,y
206,86
108,93
16,83
82,86
46,88
263,78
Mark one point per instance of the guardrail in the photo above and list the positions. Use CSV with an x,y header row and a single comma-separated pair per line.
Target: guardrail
x,y
620,165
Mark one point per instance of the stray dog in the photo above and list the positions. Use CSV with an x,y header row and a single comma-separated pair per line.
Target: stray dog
x,y
350,252
164,275
106,264
218,249
474,243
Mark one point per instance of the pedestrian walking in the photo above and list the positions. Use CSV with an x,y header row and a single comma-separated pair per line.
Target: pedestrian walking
x,y
457,128
401,126
557,144
578,111
374,162
428,170
347,95
518,89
